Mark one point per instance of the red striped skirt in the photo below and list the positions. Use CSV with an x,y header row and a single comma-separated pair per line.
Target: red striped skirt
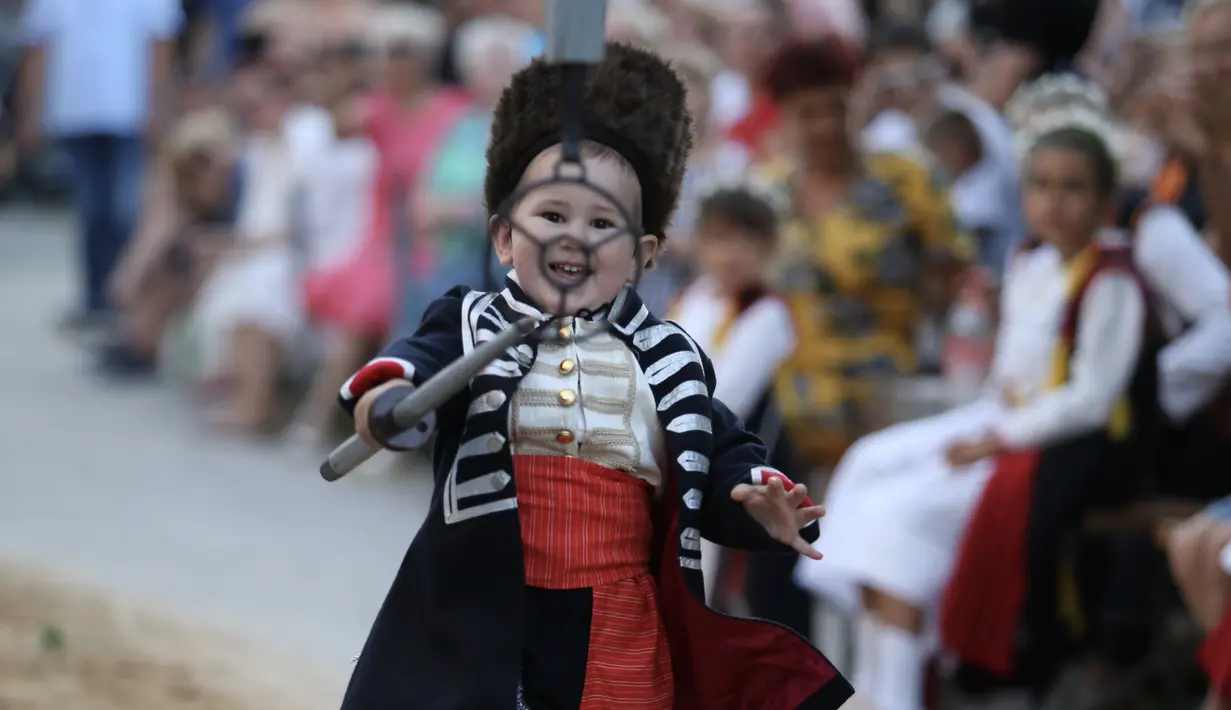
x,y
588,526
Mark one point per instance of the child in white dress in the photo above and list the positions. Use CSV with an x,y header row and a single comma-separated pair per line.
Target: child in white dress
x,y
901,498
732,313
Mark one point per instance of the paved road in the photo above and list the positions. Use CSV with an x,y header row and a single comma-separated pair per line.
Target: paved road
x,y
123,485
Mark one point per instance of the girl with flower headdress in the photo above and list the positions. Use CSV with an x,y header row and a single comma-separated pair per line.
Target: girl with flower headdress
x,y
1087,439
1191,295
1069,374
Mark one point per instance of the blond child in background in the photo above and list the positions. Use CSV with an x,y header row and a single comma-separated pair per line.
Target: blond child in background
x,y
734,316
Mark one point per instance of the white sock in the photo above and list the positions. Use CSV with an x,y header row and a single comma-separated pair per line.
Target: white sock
x,y
899,680
867,638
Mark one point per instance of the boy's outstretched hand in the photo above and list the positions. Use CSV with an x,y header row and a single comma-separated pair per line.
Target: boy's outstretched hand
x,y
778,511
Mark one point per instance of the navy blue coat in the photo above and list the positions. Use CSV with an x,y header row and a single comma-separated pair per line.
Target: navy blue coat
x,y
451,632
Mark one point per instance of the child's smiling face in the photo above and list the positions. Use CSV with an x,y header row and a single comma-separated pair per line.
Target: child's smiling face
x,y
582,216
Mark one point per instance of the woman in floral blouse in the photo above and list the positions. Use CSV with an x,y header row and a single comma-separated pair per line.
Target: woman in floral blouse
x,y
872,248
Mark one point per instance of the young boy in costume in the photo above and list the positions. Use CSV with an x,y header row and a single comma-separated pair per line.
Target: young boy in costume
x,y
559,566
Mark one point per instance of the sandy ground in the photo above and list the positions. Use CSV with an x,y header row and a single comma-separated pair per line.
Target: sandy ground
x,y
67,646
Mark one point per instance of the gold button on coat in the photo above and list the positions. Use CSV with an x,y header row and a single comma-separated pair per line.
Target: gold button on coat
x,y
564,436
567,397
566,334
567,367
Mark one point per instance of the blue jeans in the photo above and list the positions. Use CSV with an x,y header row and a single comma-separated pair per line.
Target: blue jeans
x,y
226,15
107,194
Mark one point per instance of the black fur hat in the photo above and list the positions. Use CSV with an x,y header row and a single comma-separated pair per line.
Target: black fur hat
x,y
634,104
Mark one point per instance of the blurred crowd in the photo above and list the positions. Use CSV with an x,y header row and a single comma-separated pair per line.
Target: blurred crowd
x,y
269,190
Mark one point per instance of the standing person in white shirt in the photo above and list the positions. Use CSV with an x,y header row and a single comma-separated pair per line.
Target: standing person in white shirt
x,y
250,302
94,76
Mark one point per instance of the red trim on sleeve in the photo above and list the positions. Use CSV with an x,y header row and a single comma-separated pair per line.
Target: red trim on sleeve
x,y
376,373
762,475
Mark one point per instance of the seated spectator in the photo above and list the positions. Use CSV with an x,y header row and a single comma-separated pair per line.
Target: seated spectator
x,y
185,225
455,14
899,84
447,207
713,157
908,90
733,315
900,499
1194,296
1088,440
871,246
748,31
332,22
307,125
1197,362
817,18
889,572
1027,39
336,188
742,108
335,172
1209,44
637,22
250,299
1198,549
406,119
447,210
533,12
274,23
730,309
984,196
1200,553
293,35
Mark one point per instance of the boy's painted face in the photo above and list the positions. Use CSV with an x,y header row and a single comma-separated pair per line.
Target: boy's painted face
x,y
581,216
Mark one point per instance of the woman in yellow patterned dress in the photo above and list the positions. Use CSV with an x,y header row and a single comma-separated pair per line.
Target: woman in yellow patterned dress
x,y
873,247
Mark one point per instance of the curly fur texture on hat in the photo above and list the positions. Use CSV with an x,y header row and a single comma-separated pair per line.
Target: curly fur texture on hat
x,y
632,94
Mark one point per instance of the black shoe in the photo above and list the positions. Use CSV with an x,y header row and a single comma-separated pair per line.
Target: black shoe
x,y
123,360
